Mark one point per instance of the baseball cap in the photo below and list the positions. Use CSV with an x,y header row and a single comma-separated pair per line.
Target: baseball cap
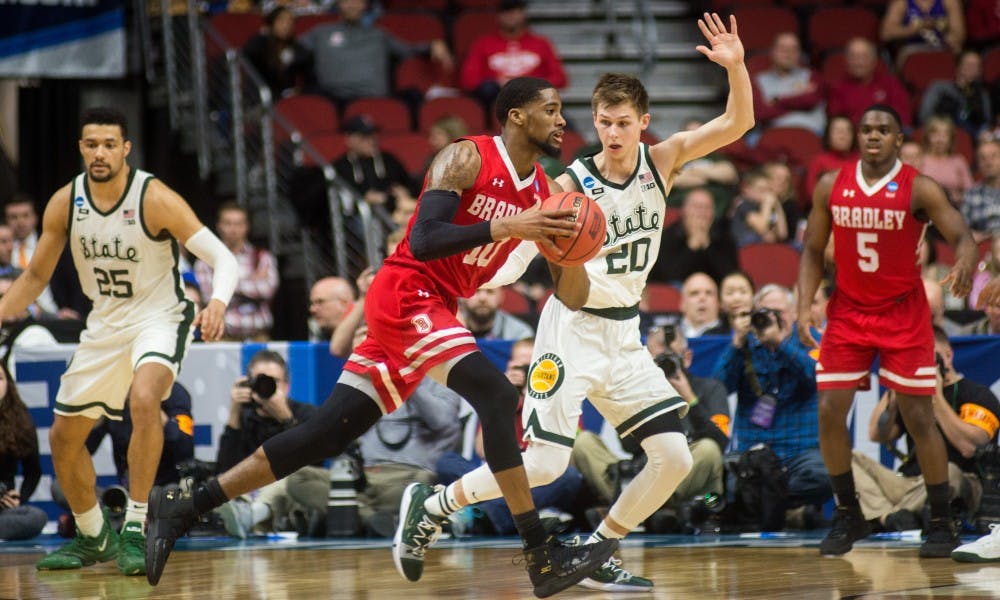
x,y
362,124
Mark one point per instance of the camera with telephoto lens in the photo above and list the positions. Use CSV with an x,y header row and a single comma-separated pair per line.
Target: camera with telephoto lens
x,y
762,318
669,362
263,386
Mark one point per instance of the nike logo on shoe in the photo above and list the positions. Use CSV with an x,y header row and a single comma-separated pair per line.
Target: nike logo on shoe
x,y
104,543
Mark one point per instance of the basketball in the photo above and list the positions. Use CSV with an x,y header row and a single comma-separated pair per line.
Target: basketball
x,y
577,249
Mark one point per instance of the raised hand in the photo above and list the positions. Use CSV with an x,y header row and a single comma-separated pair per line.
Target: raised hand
x,y
726,48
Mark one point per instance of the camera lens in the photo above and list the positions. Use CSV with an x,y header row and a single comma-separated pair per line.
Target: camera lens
x,y
761,319
263,386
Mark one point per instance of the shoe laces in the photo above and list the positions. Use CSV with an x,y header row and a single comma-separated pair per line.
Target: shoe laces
x,y
614,566
428,531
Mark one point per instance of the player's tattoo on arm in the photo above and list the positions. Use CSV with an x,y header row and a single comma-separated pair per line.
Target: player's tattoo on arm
x,y
455,168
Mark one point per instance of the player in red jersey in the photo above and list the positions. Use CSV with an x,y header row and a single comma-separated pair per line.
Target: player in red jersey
x,y
479,200
877,210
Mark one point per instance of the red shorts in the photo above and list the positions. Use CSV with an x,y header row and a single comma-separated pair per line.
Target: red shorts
x,y
901,335
411,329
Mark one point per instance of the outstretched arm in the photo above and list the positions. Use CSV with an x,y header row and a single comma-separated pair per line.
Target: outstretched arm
x,y
811,262
726,50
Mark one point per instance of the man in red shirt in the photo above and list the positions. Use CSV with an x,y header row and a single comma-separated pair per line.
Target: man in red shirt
x,y
877,211
511,51
866,84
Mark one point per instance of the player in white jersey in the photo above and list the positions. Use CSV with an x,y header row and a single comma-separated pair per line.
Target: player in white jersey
x,y
597,353
123,227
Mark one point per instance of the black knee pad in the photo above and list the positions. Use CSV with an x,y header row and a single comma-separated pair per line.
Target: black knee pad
x,y
343,418
495,401
663,423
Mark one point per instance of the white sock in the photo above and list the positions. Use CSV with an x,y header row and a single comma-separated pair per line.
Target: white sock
x,y
259,512
604,533
135,512
90,522
443,502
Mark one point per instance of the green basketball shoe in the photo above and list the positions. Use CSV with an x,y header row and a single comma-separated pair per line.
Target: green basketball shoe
x,y
611,577
82,551
132,549
417,531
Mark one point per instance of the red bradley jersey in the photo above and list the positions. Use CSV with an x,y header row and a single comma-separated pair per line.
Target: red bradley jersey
x,y
875,237
496,193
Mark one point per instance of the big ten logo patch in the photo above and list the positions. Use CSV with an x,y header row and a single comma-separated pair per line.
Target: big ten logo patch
x,y
546,375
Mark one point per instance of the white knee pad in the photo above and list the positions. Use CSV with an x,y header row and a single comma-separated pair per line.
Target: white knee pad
x,y
669,454
668,462
545,462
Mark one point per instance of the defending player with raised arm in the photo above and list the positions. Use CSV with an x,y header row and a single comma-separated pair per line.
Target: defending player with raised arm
x,y
480,198
877,211
630,181
123,226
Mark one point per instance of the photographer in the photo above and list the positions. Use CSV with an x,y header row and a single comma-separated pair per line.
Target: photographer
x,y
967,414
707,422
18,446
774,380
260,409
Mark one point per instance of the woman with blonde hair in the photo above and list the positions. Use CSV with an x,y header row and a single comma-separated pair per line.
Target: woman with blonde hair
x,y
941,162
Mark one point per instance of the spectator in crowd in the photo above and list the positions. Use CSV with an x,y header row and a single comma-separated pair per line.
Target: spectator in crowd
x,y
912,153
933,270
7,252
775,383
352,57
838,151
817,310
988,325
759,216
22,330
697,242
789,94
18,449
982,22
707,422
248,316
481,314
914,25
700,307
965,100
967,414
329,300
941,162
989,268
511,51
735,297
405,446
713,172
981,204
178,437
783,184
866,84
345,335
259,408
378,177
281,60
935,301
442,132
560,495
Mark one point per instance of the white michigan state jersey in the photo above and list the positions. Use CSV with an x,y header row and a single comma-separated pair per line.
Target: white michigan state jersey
x,y
130,275
634,213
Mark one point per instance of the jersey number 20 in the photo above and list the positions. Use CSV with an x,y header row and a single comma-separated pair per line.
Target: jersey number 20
x,y
867,254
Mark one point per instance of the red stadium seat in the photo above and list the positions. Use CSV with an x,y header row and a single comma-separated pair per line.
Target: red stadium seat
x,y
963,143
770,263
795,144
572,142
391,115
991,65
471,25
476,4
308,114
759,24
465,108
412,27
432,5
330,146
421,74
662,298
649,138
670,216
758,62
831,27
514,302
412,149
236,30
306,22
921,68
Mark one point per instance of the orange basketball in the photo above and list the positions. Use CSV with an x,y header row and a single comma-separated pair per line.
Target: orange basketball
x,y
577,249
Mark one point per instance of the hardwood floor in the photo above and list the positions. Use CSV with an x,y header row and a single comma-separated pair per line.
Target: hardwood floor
x,y
767,569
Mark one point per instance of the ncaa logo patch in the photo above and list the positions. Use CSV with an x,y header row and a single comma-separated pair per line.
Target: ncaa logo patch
x,y
588,182
422,323
78,201
892,187
545,376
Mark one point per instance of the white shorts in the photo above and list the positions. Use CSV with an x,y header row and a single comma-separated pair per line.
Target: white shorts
x,y
98,377
582,355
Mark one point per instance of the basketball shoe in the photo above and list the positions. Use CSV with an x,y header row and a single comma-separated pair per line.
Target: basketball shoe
x,y
171,514
416,532
611,577
82,551
849,526
555,566
985,549
941,538
132,549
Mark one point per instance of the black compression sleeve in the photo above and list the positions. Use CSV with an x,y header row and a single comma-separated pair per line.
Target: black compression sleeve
x,y
435,235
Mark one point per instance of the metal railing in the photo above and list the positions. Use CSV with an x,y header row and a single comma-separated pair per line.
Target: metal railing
x,y
643,31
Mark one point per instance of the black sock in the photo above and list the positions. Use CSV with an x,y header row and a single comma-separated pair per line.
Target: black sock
x,y
208,495
843,490
939,497
530,527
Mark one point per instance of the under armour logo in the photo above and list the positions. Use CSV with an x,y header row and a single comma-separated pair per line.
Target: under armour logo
x,y
498,182
848,193
423,294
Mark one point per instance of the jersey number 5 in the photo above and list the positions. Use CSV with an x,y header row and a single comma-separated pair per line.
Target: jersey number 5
x,y
867,255
113,283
